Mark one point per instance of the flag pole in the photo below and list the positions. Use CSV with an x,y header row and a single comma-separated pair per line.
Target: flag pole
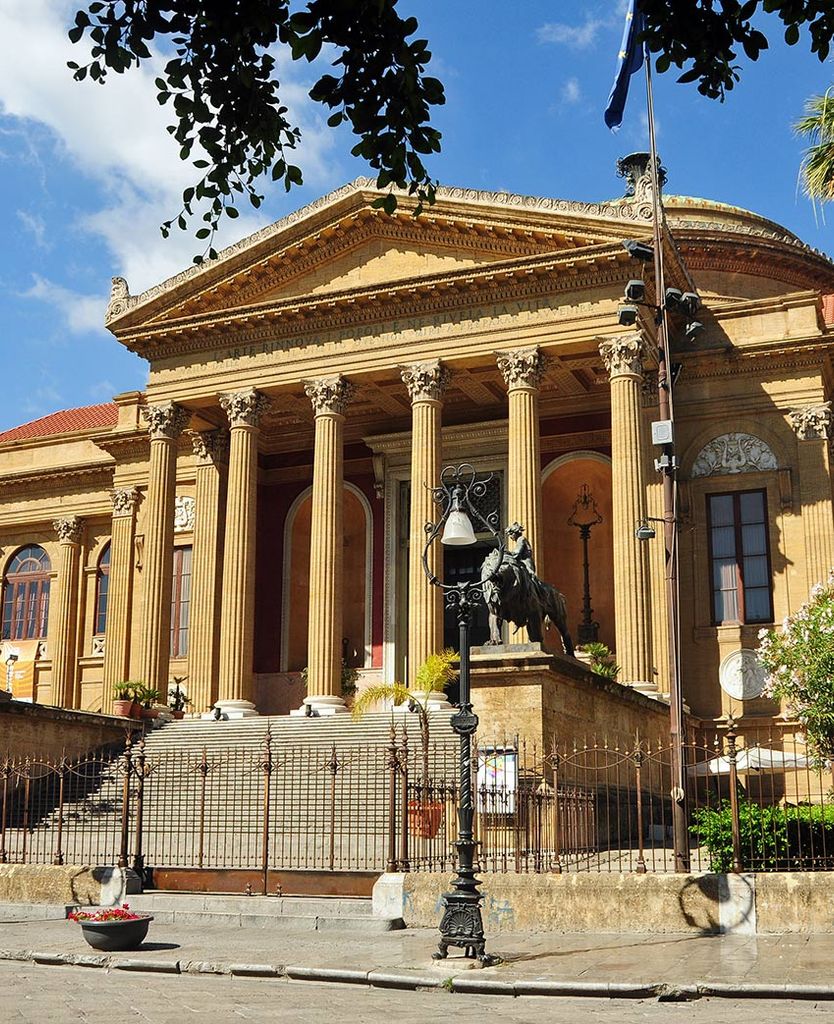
x,y
670,538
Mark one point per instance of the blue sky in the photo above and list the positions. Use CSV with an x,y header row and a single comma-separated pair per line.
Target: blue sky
x,y
89,172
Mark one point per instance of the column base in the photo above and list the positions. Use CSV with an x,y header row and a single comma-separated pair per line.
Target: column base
x,y
320,706
231,709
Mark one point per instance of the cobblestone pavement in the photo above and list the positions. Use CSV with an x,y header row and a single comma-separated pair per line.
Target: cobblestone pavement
x,y
67,995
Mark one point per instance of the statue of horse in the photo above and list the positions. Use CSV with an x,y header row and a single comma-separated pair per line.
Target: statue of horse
x,y
514,593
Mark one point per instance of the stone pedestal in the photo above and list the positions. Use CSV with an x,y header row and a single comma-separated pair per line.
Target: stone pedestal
x,y
523,690
232,709
321,705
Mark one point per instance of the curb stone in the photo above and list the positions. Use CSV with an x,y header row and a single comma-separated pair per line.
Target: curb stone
x,y
460,983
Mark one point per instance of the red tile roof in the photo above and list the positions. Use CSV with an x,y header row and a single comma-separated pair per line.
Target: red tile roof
x,y
88,417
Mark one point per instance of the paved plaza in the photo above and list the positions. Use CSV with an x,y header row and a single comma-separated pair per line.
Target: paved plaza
x,y
215,959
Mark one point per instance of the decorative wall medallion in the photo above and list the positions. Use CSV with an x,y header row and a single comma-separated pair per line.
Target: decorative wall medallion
x,y
184,514
741,676
98,646
734,453
812,423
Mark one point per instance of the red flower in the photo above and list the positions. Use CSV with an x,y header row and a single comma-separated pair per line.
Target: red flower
x,y
122,913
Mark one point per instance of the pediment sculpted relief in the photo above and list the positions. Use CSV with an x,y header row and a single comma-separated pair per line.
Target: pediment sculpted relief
x,y
734,453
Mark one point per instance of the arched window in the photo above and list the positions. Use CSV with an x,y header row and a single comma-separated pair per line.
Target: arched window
x,y
102,587
26,595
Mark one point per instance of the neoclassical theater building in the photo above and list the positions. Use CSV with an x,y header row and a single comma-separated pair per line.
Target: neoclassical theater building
x,y
259,508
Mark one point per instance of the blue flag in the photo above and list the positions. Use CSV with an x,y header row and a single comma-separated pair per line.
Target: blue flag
x,y
629,60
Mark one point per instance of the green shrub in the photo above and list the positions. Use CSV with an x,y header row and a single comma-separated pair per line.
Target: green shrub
x,y
772,838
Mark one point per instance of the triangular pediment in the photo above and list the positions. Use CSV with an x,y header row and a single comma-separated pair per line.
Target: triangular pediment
x,y
342,244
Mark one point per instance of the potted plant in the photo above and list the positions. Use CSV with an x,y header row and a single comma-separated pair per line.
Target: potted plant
x,y
601,659
112,928
123,699
146,696
177,699
435,675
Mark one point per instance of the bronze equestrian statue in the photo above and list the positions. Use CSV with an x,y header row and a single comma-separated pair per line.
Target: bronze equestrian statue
x,y
517,594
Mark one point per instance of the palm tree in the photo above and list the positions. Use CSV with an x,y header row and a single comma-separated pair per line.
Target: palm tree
x,y
817,168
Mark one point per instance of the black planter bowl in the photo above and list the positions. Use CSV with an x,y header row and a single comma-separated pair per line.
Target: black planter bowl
x,y
115,936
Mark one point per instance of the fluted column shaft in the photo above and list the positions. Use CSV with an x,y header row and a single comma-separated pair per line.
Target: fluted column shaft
x,y
165,423
324,641
237,615
116,667
522,370
211,452
623,359
426,383
62,640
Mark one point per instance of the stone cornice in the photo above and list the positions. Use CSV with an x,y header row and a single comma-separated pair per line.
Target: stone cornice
x,y
792,355
44,479
461,289
359,194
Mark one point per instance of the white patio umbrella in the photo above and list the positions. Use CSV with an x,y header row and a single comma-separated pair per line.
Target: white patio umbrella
x,y
749,759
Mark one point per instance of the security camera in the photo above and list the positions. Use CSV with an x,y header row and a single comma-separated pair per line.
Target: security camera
x,y
627,316
635,291
645,531
639,250
674,298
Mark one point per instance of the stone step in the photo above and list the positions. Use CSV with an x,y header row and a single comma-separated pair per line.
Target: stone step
x,y
292,913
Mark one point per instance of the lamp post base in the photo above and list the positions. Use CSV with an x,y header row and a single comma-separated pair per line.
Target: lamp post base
x,y
462,926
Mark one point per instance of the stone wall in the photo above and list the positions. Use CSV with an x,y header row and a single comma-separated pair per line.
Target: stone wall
x,y
71,884
28,729
747,904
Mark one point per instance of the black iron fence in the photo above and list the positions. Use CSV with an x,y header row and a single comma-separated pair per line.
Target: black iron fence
x,y
754,803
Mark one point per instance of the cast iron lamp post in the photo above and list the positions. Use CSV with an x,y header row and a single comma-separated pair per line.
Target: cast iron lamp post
x,y
585,515
462,924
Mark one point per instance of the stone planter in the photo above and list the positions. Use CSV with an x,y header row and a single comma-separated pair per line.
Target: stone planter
x,y
115,936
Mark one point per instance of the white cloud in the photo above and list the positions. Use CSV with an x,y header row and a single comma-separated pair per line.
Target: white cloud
x,y
36,226
571,92
80,313
102,390
579,37
115,135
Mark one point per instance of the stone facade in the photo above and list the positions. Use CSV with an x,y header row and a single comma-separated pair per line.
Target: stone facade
x,y
263,499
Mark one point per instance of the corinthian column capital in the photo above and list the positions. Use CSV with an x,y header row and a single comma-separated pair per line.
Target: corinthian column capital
x,y
69,529
166,420
521,367
426,381
329,395
812,422
210,447
244,408
125,500
623,356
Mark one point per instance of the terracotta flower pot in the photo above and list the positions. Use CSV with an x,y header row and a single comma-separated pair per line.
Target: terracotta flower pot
x,y
178,715
136,710
424,817
150,713
123,708
116,935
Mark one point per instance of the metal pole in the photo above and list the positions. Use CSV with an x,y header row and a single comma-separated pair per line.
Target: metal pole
x,y
732,756
666,412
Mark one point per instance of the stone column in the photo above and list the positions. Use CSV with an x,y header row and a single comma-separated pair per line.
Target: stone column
x,y
62,642
522,370
211,453
623,358
165,424
426,383
119,594
237,612
329,396
812,425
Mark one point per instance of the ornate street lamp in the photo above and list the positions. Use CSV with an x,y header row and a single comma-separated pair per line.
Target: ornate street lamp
x,y
585,515
462,924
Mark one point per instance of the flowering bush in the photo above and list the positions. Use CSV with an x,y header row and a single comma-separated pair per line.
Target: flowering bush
x,y
122,913
799,661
